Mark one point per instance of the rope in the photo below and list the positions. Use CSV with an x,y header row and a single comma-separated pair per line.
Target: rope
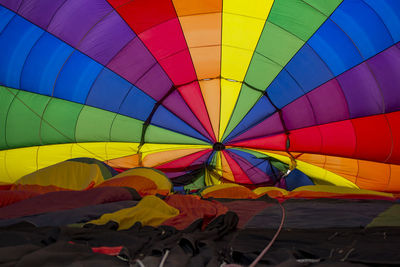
x,y
272,240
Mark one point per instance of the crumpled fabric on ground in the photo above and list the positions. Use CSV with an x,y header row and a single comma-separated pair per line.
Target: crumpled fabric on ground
x,y
151,211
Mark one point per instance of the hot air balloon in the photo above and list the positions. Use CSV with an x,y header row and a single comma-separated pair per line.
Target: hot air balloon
x,y
242,92
263,93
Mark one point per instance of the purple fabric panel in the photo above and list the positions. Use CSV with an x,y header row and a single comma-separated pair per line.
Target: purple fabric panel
x,y
386,68
175,103
255,174
329,103
361,91
76,18
133,61
298,114
155,82
106,39
202,159
11,4
270,126
40,12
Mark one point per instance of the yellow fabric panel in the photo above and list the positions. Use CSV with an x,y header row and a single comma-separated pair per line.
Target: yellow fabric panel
x,y
242,23
156,176
67,174
218,187
229,94
155,158
254,8
317,174
340,190
211,178
34,158
233,62
264,189
3,170
218,165
19,164
151,211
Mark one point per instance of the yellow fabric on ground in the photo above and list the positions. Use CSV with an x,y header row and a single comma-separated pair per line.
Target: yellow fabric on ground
x,y
150,211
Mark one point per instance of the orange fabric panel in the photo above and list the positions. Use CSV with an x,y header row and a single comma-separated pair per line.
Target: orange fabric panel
x,y
373,175
207,61
235,192
394,182
211,91
40,189
202,30
342,166
127,162
142,185
227,172
162,157
189,7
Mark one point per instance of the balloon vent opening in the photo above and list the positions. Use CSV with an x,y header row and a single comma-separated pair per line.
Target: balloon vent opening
x,y
218,146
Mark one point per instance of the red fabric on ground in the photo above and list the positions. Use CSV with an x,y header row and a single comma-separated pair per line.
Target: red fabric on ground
x,y
192,208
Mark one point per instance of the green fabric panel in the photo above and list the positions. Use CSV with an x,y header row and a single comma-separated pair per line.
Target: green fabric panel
x,y
390,217
262,71
6,98
94,125
125,129
297,17
23,123
59,121
156,134
325,6
271,42
197,184
247,98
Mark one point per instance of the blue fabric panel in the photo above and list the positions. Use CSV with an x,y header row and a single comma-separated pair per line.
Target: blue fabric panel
x,y
165,119
44,64
108,91
296,179
335,48
143,105
76,78
16,41
262,109
389,13
5,17
308,69
262,164
363,26
284,90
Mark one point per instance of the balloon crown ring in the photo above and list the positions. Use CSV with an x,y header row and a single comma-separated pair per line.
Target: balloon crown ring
x,y
218,146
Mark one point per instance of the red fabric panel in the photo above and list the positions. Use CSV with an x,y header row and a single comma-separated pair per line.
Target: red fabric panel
x,y
192,95
239,175
373,138
274,142
306,140
165,39
144,14
192,208
10,197
64,200
112,251
338,138
394,122
183,162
